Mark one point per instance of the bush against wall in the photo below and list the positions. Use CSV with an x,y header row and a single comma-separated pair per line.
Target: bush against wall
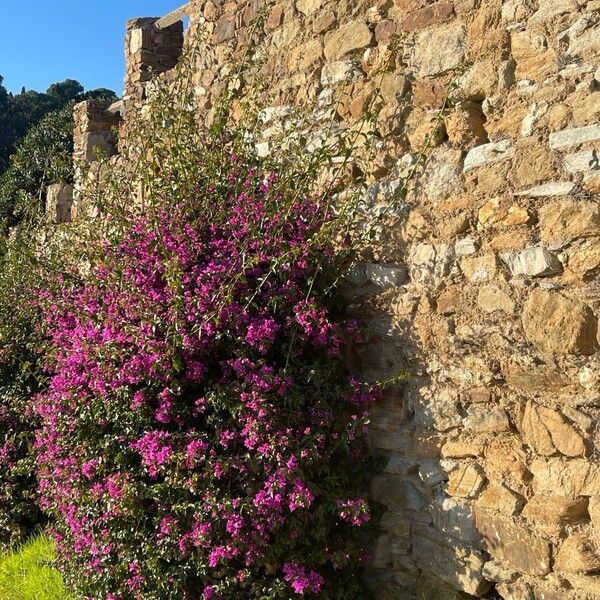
x,y
200,436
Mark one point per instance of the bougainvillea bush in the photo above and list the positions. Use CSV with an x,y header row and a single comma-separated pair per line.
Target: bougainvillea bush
x,y
200,437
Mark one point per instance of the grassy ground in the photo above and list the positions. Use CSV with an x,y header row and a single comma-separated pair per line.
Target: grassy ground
x,y
27,573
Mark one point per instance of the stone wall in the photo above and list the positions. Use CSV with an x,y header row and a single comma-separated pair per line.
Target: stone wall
x,y
484,285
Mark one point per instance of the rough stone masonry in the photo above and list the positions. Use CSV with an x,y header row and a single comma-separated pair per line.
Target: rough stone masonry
x,y
486,285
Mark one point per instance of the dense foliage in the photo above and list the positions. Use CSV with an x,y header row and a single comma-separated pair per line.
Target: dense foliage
x,y
44,156
19,112
20,379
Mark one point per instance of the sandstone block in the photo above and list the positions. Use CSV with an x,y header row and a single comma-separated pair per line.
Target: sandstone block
x,y
438,49
467,481
505,460
552,512
512,544
428,15
479,268
465,126
455,518
560,325
486,419
59,203
463,448
354,35
534,58
492,213
535,378
457,564
549,9
534,163
547,431
565,220
579,553
594,511
500,499
488,154
533,262
224,29
491,299
308,7
567,478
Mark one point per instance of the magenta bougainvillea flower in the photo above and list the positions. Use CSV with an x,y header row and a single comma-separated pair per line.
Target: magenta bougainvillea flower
x,y
200,437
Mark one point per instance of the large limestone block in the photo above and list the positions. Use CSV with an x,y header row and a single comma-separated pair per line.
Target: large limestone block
x,y
501,499
567,478
548,432
512,544
455,563
354,35
534,58
467,481
439,49
454,517
579,553
562,221
559,325
551,512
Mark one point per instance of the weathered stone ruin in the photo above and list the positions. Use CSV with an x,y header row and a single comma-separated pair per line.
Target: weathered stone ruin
x,y
486,288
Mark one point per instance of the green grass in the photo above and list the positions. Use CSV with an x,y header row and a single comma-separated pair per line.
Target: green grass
x,y
27,573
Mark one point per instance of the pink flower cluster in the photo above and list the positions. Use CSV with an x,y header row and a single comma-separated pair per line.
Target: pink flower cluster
x,y
199,427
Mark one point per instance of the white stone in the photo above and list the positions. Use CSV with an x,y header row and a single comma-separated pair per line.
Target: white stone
x,y
546,190
385,276
582,162
533,262
431,263
439,49
488,154
263,149
340,71
466,246
274,112
574,136
536,111
442,175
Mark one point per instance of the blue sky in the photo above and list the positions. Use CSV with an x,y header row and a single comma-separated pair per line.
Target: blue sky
x,y
44,41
